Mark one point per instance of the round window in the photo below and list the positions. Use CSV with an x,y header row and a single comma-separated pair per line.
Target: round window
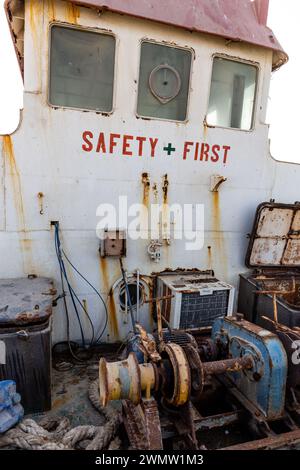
x,y
134,294
164,83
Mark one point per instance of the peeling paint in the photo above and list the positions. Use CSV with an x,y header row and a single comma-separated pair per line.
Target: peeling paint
x,y
145,200
165,189
146,188
165,210
155,193
209,257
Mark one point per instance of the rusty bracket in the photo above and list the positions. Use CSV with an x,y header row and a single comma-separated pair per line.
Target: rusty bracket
x,y
160,317
148,344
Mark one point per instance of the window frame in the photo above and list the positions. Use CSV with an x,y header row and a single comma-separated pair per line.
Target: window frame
x,y
241,61
174,46
88,29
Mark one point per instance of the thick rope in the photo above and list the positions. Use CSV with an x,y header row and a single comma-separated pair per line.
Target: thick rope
x,y
107,432
56,433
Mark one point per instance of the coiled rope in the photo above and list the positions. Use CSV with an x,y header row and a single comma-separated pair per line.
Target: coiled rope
x,y
56,433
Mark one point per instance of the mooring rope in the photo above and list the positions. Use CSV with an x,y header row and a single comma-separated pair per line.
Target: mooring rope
x,y
57,434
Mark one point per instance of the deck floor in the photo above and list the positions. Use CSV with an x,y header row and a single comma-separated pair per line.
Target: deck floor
x,y
70,399
70,386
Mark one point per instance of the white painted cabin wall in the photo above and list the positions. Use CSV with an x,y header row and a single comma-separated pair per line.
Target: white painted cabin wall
x,y
48,155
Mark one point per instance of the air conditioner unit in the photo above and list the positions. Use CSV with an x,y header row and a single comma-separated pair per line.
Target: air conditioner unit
x,y
198,298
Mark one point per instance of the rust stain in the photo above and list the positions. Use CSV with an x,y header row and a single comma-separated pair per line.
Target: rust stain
x,y
72,13
145,201
10,163
155,193
58,402
36,11
216,211
41,202
104,273
220,251
111,307
8,151
165,189
165,210
51,10
146,188
209,257
113,316
204,130
31,16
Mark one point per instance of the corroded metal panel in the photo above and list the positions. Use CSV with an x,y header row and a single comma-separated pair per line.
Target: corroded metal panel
x,y
275,238
25,301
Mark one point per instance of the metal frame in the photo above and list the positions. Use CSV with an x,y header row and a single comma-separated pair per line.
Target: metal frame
x,y
175,313
63,24
174,46
258,73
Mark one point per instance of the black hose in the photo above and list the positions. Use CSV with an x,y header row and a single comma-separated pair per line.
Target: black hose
x,y
96,291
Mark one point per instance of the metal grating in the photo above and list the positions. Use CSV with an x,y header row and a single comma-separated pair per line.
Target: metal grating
x,y
201,310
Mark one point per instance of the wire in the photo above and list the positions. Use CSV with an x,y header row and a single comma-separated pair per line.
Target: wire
x,y
74,295
67,318
64,273
95,290
60,254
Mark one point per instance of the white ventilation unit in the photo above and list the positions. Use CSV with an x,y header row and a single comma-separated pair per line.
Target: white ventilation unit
x,y
198,298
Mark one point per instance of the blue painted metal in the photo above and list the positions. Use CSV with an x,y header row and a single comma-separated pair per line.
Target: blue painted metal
x,y
264,385
134,345
11,410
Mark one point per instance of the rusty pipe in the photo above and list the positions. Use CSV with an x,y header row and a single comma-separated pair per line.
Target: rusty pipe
x,y
228,365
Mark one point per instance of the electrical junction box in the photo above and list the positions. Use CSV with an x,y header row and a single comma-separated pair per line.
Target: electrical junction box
x,y
198,298
113,244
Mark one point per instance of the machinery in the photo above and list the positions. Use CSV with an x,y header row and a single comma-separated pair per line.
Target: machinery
x,y
269,293
198,298
165,390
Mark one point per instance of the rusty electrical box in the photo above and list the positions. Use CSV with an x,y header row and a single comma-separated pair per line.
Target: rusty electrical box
x,y
113,244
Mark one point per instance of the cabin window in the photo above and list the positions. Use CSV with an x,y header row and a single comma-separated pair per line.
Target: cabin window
x,y
232,94
82,64
164,81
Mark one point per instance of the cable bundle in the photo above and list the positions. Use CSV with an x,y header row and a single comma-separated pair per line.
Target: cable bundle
x,y
77,304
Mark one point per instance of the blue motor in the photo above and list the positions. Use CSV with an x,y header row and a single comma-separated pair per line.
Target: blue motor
x,y
264,384
11,410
